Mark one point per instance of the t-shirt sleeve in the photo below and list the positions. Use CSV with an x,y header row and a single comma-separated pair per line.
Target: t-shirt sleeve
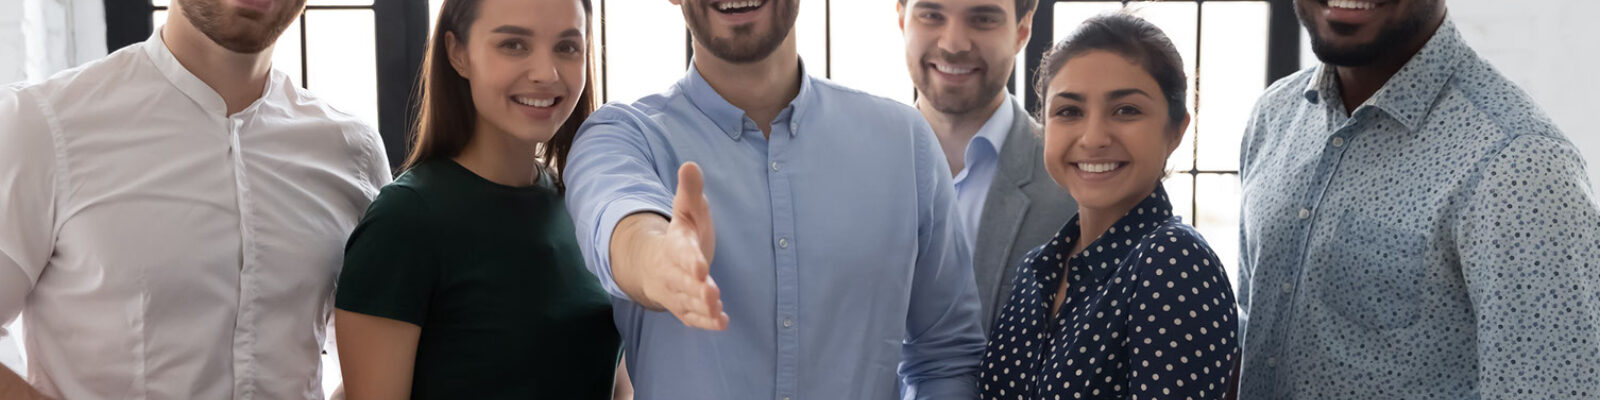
x,y
390,270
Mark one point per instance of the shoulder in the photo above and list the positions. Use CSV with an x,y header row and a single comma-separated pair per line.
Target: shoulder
x,y
1286,92
305,106
94,82
1491,97
1176,248
850,100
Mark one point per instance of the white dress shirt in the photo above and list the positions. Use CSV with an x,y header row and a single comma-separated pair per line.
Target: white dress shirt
x,y
161,249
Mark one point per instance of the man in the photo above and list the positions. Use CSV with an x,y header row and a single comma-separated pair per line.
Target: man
x,y
960,53
175,213
837,257
1414,226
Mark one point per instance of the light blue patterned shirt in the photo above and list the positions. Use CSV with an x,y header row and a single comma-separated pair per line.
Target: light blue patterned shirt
x,y
1440,243
838,254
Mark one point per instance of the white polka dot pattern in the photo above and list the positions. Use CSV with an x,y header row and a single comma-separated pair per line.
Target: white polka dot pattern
x,y
1441,242
1149,315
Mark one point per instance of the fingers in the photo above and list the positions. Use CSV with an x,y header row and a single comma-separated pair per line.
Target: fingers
x,y
690,199
697,299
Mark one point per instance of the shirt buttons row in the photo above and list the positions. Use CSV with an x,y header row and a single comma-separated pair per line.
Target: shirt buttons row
x,y
1338,142
783,243
788,323
774,166
1305,213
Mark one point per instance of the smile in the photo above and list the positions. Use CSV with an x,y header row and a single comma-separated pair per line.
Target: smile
x,y
536,102
1352,4
953,70
736,7
1099,168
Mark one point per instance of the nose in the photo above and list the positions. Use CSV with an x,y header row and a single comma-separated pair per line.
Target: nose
x,y
954,38
542,69
1096,134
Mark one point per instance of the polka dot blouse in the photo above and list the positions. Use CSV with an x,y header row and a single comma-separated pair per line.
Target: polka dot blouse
x,y
1149,314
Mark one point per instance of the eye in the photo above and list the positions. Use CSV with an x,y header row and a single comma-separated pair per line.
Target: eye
x,y
1069,112
514,45
1126,111
568,47
985,21
931,17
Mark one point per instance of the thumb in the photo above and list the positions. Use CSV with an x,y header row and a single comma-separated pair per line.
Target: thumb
x,y
690,200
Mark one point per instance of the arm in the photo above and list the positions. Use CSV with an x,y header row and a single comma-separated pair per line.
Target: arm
x,y
945,343
1528,237
1181,336
377,355
616,200
27,209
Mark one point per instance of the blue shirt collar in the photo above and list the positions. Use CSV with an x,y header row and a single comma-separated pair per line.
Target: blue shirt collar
x,y
995,130
725,115
1407,95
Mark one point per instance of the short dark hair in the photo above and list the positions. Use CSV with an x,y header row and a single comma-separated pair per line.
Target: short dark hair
x,y
1128,36
1023,7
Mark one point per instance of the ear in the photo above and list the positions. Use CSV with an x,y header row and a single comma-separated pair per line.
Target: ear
x,y
900,10
458,55
1176,134
676,2
1024,30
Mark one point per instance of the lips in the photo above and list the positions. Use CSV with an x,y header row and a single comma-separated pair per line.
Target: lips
x,y
737,7
531,101
1352,12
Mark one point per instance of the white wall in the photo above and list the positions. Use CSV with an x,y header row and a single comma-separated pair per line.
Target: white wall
x,y
1549,48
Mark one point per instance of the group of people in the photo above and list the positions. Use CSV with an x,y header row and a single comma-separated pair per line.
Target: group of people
x,y
181,221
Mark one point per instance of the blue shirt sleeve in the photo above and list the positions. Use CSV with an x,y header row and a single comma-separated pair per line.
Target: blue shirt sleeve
x,y
610,174
1529,238
944,339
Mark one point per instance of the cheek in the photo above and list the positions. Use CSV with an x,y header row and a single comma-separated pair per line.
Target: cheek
x,y
1056,145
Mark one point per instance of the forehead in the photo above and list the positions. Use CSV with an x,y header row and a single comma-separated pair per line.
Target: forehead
x,y
962,5
539,15
1098,71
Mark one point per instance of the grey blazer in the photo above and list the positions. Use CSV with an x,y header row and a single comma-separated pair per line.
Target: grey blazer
x,y
1023,210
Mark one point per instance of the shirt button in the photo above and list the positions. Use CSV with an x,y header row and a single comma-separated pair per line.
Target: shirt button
x,y
1288,287
1305,213
774,166
1273,361
1338,142
788,322
785,397
783,243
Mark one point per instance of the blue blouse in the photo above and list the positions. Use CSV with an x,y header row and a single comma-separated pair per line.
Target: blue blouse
x,y
1150,314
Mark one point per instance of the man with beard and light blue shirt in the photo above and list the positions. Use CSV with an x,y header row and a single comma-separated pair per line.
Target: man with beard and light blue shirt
x,y
838,258
960,54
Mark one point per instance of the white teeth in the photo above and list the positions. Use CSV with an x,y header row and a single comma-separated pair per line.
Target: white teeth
x,y
1097,167
731,5
534,102
952,70
1352,4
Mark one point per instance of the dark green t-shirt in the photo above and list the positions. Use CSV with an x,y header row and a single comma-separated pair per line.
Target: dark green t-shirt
x,y
494,277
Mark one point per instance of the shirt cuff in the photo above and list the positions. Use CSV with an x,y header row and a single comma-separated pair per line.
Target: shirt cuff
x,y
957,387
610,215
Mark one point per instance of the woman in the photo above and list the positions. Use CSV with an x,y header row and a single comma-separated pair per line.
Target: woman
x,y
464,279
1125,301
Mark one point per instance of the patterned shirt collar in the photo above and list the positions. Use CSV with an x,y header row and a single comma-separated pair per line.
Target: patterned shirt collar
x,y
1409,94
1149,215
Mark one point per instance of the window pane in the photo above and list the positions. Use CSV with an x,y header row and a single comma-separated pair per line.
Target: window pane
x,y
869,50
341,61
1218,221
285,54
1068,15
811,30
1233,68
645,48
1180,189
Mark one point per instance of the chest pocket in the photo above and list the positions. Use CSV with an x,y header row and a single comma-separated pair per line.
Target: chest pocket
x,y
1372,273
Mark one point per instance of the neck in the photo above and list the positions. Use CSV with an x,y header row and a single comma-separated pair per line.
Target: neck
x,y
1093,222
761,88
239,78
955,130
499,157
1359,83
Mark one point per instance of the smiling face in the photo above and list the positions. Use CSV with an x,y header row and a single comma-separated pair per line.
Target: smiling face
x,y
1107,130
740,31
1353,33
961,52
525,61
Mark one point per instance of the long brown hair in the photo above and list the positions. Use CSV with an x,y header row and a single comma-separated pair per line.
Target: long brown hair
x,y
447,117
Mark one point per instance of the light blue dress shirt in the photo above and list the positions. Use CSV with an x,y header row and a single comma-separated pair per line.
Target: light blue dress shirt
x,y
982,159
1440,243
838,250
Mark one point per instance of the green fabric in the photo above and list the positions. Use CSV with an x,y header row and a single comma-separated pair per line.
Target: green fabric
x,y
494,277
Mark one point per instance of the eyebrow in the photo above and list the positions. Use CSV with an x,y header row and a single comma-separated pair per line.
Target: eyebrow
x,y
1115,94
930,6
517,30
986,9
